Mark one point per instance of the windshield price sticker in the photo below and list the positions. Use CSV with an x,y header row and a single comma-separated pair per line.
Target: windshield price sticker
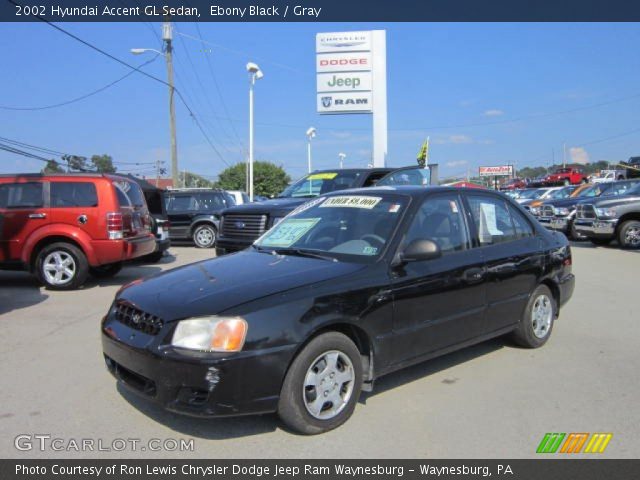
x,y
288,232
352,202
322,176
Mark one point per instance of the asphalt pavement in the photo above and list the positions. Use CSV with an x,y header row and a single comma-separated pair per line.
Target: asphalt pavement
x,y
493,400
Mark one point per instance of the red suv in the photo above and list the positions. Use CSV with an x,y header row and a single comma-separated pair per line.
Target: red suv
x,y
566,176
65,227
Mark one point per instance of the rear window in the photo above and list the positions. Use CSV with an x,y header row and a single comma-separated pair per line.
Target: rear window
x,y
123,200
133,191
21,195
73,194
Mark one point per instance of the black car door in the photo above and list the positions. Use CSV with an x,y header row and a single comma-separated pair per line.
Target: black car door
x,y
512,253
440,302
181,208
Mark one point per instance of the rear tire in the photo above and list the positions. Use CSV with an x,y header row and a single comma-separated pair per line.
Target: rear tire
x,y
106,271
61,266
204,236
322,386
566,183
629,234
536,325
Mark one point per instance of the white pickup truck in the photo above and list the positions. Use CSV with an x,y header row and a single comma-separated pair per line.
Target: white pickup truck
x,y
610,176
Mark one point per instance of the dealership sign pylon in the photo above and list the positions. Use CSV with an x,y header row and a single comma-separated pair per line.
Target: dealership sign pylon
x,y
351,77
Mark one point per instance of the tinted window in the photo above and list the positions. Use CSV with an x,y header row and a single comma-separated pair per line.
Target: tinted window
x,y
521,224
440,219
73,194
408,176
133,191
21,195
182,203
123,200
320,183
492,219
214,201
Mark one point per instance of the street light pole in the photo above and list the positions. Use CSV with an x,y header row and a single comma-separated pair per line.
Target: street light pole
x,y
342,157
254,74
311,133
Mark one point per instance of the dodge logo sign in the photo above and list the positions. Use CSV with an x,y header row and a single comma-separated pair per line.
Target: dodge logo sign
x,y
136,318
326,102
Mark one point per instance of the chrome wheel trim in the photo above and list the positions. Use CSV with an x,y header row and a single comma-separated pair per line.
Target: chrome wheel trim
x,y
328,385
205,236
632,236
59,267
541,316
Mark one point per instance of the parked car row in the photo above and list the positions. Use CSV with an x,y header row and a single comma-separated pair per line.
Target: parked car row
x,y
601,212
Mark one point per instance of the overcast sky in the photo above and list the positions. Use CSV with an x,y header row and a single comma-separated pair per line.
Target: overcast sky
x,y
486,94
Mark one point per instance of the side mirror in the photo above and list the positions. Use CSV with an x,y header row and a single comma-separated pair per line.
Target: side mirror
x,y
419,250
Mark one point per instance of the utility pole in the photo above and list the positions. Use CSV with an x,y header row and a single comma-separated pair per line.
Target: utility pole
x,y
167,36
159,170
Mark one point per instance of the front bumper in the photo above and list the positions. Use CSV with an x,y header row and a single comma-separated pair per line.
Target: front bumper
x,y
559,224
204,386
597,228
230,245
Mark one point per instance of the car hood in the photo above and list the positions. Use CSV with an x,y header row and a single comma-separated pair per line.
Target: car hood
x,y
615,201
268,206
566,202
213,286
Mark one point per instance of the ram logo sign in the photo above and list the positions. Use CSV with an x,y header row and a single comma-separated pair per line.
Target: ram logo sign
x,y
574,443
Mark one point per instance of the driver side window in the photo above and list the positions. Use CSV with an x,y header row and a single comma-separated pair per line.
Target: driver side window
x,y
440,219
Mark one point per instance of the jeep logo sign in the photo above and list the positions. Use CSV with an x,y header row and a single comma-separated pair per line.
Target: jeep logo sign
x,y
356,102
341,82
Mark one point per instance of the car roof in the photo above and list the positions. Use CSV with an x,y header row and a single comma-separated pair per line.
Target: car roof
x,y
409,190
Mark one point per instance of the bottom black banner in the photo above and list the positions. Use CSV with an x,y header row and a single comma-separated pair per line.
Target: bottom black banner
x,y
582,469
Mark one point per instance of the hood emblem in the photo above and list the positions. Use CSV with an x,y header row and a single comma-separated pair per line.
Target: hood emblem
x,y
240,225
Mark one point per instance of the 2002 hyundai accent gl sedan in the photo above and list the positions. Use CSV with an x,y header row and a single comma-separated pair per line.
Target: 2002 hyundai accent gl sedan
x,y
348,287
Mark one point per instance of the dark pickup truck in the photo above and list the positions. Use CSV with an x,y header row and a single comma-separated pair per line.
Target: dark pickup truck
x,y
243,224
633,167
606,219
560,214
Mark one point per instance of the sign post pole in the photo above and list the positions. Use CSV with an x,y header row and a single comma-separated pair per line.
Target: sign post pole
x,y
379,97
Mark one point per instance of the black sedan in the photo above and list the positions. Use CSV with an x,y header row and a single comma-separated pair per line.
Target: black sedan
x,y
349,287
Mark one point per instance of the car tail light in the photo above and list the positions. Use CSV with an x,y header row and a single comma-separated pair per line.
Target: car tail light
x,y
115,226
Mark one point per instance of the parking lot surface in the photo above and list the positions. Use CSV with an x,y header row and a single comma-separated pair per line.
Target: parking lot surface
x,y
491,400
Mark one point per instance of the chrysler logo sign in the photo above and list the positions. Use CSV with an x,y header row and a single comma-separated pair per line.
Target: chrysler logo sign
x,y
343,41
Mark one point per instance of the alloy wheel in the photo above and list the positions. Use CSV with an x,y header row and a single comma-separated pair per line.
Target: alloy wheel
x,y
59,267
205,237
632,236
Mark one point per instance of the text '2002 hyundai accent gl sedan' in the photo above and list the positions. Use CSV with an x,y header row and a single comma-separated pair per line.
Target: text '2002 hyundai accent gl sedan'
x,y
347,288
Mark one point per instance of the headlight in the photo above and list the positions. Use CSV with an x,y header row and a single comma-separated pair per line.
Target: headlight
x,y
535,210
606,212
562,211
211,334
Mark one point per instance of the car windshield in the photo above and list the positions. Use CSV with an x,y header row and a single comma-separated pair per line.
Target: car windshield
x,y
622,188
562,193
532,194
593,191
319,183
635,190
344,227
416,176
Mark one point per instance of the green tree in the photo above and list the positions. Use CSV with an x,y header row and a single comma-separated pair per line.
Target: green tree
x,y
103,163
268,178
193,180
52,166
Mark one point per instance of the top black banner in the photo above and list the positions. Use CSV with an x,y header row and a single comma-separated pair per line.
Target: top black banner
x,y
320,10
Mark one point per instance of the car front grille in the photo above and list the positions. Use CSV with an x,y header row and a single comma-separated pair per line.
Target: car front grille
x,y
586,211
137,319
546,211
247,227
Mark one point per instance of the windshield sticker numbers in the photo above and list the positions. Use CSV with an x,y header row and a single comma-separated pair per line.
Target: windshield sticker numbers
x,y
394,208
288,232
307,205
322,176
370,250
352,201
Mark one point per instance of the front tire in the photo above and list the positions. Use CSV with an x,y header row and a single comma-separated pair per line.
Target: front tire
x,y
629,235
322,386
536,325
61,266
204,236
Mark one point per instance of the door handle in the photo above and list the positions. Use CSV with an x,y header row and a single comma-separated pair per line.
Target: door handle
x,y
37,215
473,275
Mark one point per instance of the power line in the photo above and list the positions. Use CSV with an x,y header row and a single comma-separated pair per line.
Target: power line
x,y
122,62
77,99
